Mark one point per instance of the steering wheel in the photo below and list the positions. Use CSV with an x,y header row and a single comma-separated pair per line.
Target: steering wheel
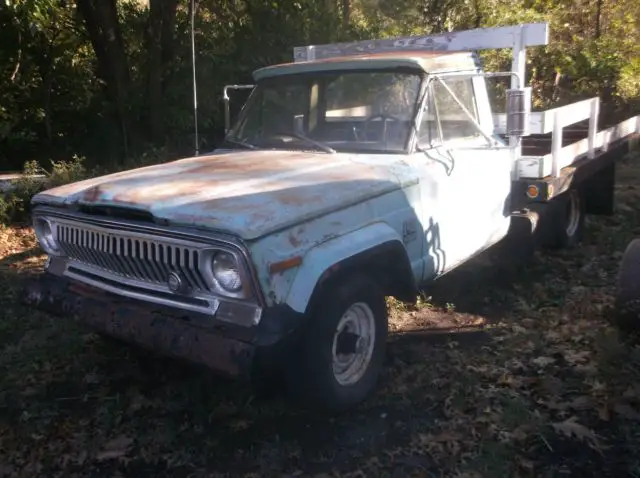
x,y
384,117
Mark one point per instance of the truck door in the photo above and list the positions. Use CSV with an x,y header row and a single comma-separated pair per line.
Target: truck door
x,y
468,182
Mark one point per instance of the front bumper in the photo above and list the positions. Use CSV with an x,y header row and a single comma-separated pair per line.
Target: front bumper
x,y
186,335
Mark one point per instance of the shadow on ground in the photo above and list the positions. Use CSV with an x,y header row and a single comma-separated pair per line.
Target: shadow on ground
x,y
498,374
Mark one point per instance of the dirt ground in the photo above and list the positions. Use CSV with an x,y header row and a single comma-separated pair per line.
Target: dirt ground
x,y
498,373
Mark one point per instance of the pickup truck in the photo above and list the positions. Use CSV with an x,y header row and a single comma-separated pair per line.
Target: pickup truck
x,y
356,172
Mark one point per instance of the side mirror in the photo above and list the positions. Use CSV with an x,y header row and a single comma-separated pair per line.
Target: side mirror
x,y
518,112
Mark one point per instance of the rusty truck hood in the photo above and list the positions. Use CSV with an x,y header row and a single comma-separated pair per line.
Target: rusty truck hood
x,y
248,193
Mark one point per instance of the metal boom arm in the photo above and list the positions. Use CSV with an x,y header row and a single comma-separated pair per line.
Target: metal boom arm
x,y
516,37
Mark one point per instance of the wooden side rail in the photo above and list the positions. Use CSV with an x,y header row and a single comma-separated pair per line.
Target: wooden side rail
x,y
554,121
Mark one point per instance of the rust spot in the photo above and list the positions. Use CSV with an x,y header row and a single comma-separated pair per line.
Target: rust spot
x,y
290,198
293,240
281,266
92,194
243,162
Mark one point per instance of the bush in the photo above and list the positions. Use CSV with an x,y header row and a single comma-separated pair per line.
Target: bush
x,y
15,205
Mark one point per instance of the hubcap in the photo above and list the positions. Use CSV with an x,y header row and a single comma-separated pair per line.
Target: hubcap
x,y
353,344
573,213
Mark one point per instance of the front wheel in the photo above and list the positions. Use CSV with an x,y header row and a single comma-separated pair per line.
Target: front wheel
x,y
343,347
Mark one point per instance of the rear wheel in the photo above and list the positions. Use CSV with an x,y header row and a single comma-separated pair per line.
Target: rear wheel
x,y
343,347
568,227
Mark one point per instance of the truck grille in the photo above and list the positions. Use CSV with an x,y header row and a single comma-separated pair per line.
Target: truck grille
x,y
142,259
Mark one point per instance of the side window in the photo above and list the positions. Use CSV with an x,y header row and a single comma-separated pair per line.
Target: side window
x,y
455,123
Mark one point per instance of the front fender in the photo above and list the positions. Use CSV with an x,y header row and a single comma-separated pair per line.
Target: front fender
x,y
322,257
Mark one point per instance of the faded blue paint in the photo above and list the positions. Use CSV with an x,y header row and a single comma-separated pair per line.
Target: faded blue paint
x,y
335,235
321,257
250,194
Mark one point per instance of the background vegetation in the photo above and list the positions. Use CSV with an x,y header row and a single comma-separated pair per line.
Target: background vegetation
x,y
110,80
504,372
91,86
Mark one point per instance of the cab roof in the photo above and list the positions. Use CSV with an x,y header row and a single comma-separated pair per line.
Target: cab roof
x,y
421,61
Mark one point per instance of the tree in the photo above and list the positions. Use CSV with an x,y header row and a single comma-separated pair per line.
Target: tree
x,y
160,39
101,21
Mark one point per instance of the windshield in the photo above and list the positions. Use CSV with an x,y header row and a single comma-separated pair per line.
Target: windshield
x,y
352,111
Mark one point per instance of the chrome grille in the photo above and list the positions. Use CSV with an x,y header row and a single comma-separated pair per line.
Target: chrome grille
x,y
144,259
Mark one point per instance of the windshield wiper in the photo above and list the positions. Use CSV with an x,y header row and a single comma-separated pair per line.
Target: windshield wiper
x,y
324,147
240,143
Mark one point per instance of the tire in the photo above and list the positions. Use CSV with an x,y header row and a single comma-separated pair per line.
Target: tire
x,y
567,230
627,300
320,376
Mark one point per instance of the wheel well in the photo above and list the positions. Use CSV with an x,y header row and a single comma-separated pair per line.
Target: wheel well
x,y
387,263
599,191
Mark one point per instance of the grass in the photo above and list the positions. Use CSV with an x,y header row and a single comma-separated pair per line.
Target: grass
x,y
493,373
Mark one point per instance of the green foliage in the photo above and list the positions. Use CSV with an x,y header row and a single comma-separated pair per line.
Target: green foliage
x,y
56,101
15,206
628,84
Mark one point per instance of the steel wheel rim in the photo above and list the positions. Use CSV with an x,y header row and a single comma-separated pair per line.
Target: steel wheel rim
x,y
350,368
573,213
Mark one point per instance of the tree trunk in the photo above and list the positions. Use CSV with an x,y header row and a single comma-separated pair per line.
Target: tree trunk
x,y
328,6
478,12
598,17
47,81
168,31
346,13
154,83
101,20
160,28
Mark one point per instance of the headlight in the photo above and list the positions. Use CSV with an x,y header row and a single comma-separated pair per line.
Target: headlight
x,y
45,235
226,271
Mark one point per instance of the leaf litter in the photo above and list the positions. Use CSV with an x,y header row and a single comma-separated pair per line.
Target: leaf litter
x,y
518,374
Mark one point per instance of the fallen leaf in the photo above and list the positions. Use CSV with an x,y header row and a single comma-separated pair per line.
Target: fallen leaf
x,y
575,357
524,463
440,438
543,361
115,448
604,413
571,428
583,402
553,405
92,378
632,392
627,411
240,424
